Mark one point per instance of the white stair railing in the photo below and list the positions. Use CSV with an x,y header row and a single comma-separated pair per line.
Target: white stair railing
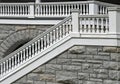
x,y
94,24
54,9
38,44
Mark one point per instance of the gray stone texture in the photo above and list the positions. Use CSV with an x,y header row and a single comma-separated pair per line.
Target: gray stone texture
x,y
15,35
78,65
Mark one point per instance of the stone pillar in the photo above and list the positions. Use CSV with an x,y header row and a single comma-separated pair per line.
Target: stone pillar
x,y
114,20
93,7
75,20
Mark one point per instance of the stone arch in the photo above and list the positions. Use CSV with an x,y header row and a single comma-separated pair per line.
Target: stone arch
x,y
16,40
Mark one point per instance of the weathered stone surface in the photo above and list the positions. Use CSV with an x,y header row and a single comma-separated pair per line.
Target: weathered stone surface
x,y
115,57
110,65
83,76
93,66
77,50
110,49
114,75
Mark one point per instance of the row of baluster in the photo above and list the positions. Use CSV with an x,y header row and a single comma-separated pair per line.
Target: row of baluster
x,y
48,9
44,41
94,25
14,9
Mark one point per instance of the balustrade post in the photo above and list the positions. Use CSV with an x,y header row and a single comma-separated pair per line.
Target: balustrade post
x,y
37,1
93,8
31,10
75,20
114,20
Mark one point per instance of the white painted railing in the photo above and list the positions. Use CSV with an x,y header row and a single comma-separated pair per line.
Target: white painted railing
x,y
94,24
38,44
54,9
15,9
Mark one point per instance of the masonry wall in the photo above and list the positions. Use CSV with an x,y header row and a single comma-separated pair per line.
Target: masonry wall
x,y
14,36
79,65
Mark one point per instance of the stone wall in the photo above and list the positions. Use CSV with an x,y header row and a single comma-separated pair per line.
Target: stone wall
x,y
14,36
79,65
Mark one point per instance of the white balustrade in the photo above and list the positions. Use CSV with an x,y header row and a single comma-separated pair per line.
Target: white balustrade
x,y
56,9
38,44
94,24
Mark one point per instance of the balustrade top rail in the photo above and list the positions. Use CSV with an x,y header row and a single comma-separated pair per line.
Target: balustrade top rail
x,y
52,9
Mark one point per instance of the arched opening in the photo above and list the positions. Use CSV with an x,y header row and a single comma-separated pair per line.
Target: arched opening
x,y
16,45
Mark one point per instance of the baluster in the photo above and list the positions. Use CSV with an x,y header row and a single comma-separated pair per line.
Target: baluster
x,y
54,36
45,42
60,29
48,39
85,25
1,69
42,44
89,25
49,10
66,9
15,60
97,21
41,10
51,38
57,13
21,56
93,25
57,33
29,54
24,54
4,70
107,25
52,12
10,63
7,66
18,10
102,25
63,10
46,9
87,9
12,60
69,9
18,58
55,10
33,49
36,47
81,9
60,9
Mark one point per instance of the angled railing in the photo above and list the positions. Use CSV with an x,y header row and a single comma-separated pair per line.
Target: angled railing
x,y
54,9
38,44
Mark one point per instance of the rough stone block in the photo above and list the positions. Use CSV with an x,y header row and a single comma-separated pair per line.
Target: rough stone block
x,y
83,76
54,66
115,57
71,67
77,50
110,49
110,65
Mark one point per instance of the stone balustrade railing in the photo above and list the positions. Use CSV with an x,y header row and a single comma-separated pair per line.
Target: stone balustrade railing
x,y
54,9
